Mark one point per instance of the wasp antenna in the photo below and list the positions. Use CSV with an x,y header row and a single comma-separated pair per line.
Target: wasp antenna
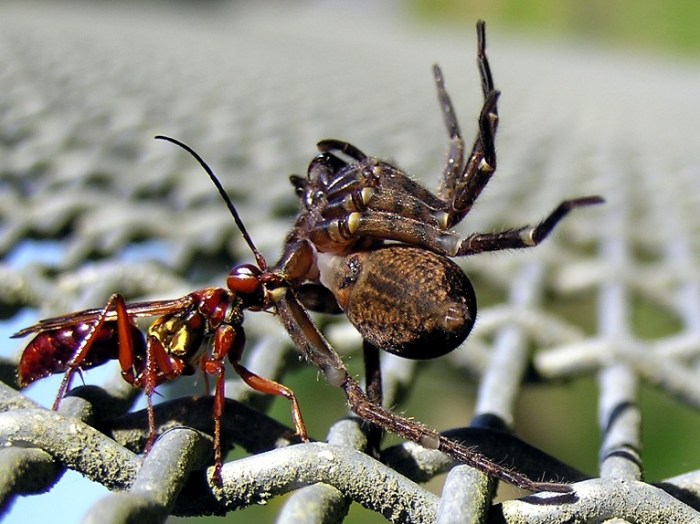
x,y
262,264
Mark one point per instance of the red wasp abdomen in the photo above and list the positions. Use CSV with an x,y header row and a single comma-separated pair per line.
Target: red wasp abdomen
x,y
51,351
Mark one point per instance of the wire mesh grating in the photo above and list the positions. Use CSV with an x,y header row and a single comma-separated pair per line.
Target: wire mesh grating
x,y
79,169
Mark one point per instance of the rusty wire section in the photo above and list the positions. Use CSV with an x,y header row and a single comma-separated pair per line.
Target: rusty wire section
x,y
81,95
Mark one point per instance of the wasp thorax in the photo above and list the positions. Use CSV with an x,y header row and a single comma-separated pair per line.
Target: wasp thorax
x,y
405,300
181,333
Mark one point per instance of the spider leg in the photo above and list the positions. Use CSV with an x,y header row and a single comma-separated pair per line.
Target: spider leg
x,y
374,392
324,168
367,183
379,225
463,181
482,60
527,236
454,167
331,144
462,185
372,184
481,163
312,345
391,226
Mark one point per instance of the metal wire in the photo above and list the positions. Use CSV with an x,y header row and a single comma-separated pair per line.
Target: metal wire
x,y
252,89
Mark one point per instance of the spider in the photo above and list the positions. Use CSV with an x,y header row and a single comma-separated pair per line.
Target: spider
x,y
372,243
405,297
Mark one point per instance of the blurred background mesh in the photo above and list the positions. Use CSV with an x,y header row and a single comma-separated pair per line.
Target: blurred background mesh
x,y
90,204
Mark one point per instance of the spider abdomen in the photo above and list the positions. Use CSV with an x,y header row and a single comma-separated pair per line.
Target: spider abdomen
x,y
405,300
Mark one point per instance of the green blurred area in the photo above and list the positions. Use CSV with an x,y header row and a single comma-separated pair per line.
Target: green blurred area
x,y
654,25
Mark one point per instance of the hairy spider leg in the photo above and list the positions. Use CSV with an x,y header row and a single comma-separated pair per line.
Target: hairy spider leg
x,y
480,166
311,343
482,60
528,236
332,144
374,392
462,181
390,226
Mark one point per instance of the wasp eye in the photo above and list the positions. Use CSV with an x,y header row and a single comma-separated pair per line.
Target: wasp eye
x,y
244,279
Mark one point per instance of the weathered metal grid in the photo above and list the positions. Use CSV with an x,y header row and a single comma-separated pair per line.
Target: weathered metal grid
x,y
84,91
